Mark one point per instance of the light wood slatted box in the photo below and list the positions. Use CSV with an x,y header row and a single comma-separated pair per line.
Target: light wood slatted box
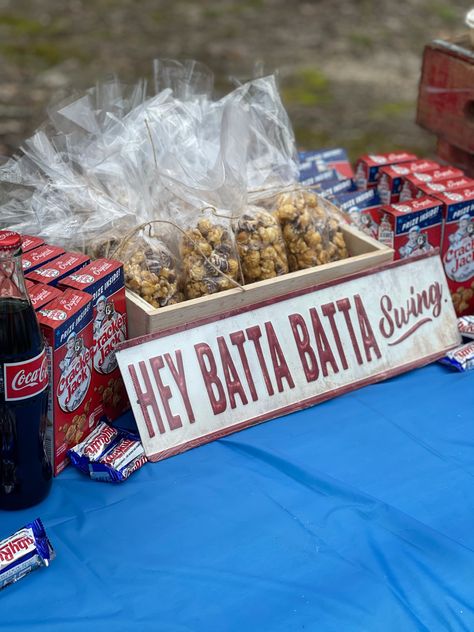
x,y
364,253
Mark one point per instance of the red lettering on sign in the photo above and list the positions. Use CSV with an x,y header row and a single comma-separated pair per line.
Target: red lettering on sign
x,y
146,399
180,379
254,334
306,353
325,353
234,386
174,421
211,379
368,338
329,310
396,318
280,366
238,339
344,306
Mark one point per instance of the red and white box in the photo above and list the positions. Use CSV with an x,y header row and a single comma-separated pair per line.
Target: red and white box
x,y
103,279
367,167
54,271
41,295
411,228
30,242
39,256
433,188
411,182
457,249
74,407
390,178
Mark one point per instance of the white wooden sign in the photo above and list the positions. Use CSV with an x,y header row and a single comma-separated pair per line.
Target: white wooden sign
x,y
198,382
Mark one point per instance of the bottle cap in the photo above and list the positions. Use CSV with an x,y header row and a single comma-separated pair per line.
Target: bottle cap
x,y
9,240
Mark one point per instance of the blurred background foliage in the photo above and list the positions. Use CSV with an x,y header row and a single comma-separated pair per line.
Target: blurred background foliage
x,y
348,70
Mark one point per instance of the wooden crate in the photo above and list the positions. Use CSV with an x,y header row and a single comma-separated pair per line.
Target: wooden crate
x,y
364,252
446,92
456,157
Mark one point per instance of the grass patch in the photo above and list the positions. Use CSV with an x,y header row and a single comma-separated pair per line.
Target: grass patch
x,y
443,11
307,139
391,109
20,25
46,53
308,87
361,40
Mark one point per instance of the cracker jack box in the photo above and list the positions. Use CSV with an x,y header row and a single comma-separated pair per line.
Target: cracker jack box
x,y
330,175
433,188
74,408
457,250
41,295
54,271
103,279
368,166
360,207
39,256
336,158
308,169
333,188
412,228
391,178
29,242
412,181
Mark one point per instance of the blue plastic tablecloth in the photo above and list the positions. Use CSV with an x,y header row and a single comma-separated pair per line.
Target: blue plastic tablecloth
x,y
355,515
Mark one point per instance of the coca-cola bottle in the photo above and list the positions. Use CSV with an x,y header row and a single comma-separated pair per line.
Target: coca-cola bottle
x,y
25,468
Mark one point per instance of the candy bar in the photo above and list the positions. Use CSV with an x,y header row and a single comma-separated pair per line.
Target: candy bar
x,y
461,358
23,552
121,461
109,454
466,326
92,448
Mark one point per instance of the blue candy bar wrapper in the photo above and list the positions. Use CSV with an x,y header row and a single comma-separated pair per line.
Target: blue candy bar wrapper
x,y
466,326
108,454
461,358
23,552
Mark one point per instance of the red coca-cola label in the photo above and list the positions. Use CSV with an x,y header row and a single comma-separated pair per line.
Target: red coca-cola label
x,y
25,379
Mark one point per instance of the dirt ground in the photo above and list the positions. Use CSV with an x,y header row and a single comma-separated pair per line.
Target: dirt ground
x,y
348,70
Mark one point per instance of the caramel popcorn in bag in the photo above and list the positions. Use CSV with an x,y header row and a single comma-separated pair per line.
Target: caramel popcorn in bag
x,y
150,271
312,237
260,245
213,238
